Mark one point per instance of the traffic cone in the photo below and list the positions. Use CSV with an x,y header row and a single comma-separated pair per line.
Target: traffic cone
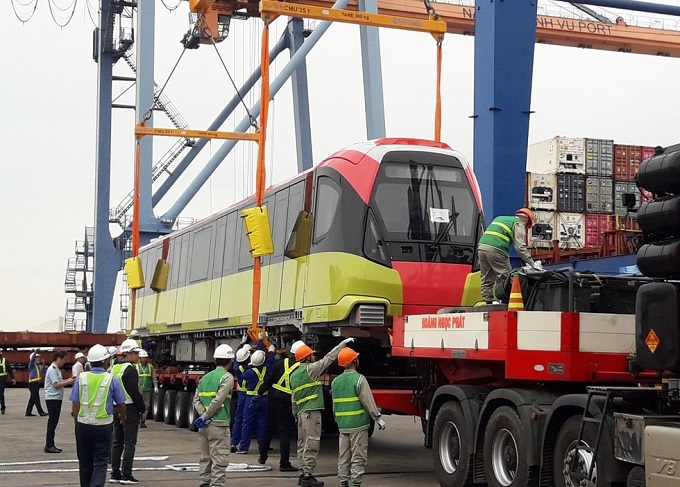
x,y
516,303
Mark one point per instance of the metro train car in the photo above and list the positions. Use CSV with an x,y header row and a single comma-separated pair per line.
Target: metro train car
x,y
379,229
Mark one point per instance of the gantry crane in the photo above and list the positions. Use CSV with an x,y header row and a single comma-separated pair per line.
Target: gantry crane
x,y
505,34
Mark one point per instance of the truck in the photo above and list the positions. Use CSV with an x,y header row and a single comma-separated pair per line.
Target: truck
x,y
378,242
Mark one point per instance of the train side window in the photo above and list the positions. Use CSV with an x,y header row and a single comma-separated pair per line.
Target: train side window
x,y
183,263
327,198
173,258
374,244
279,224
231,246
200,255
220,237
245,259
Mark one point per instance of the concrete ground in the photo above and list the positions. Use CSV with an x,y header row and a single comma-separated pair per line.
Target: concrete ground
x,y
396,456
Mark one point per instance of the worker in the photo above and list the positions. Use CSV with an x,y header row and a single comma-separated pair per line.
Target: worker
x,y
94,395
211,403
54,396
79,366
494,247
255,407
125,434
307,404
147,383
279,409
34,378
6,371
353,407
134,335
240,365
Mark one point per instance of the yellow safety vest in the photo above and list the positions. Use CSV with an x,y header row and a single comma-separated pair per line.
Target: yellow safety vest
x,y
283,384
260,380
117,372
93,392
3,367
37,372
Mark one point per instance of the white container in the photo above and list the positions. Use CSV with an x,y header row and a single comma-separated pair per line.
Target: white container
x,y
543,231
559,154
542,191
571,230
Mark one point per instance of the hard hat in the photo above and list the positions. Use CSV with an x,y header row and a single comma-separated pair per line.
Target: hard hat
x,y
112,350
224,351
98,353
242,354
295,346
302,352
346,356
143,354
128,346
80,355
257,358
134,334
528,213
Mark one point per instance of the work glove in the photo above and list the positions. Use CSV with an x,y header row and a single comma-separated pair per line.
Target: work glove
x,y
538,266
346,341
381,424
260,336
201,422
272,348
244,338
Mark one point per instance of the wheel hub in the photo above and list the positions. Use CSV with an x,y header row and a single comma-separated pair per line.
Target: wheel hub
x,y
449,448
582,462
504,457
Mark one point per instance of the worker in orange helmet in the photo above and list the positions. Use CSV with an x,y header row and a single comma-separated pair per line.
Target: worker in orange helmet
x,y
354,407
307,402
494,248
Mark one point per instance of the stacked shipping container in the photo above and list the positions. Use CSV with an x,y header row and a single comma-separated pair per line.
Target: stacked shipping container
x,y
575,187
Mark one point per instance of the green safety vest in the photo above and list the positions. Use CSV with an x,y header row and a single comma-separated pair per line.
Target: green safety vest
x,y
350,413
93,393
307,392
283,384
3,367
260,380
207,389
499,234
117,372
145,375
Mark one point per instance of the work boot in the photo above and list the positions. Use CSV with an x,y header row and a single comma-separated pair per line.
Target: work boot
x,y
308,480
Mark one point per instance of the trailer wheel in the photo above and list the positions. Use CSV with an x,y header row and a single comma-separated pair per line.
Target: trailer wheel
x,y
157,404
505,462
181,407
169,406
451,453
565,451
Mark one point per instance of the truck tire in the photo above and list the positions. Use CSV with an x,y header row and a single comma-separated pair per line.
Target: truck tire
x,y
157,404
192,414
505,462
564,451
451,453
181,407
169,406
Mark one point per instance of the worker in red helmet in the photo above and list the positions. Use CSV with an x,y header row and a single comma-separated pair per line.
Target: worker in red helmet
x,y
354,407
494,248
307,402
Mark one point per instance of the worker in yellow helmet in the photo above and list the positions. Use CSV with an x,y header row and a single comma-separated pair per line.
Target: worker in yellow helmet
x,y
354,407
494,248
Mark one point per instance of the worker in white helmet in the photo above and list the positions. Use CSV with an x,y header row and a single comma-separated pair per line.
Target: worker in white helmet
x,y
255,411
239,402
125,435
212,397
79,366
147,383
94,395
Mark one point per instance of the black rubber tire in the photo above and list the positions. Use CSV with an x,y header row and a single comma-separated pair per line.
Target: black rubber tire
x,y
169,407
192,414
505,461
157,404
566,438
448,441
181,407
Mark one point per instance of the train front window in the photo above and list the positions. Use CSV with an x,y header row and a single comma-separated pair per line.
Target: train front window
x,y
425,198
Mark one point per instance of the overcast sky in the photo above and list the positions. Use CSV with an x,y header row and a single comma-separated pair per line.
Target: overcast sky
x,y
48,119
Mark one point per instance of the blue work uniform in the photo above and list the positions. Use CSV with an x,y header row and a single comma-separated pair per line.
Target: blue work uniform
x,y
255,410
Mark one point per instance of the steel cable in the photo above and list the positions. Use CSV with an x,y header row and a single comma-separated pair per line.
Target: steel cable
x,y
28,4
